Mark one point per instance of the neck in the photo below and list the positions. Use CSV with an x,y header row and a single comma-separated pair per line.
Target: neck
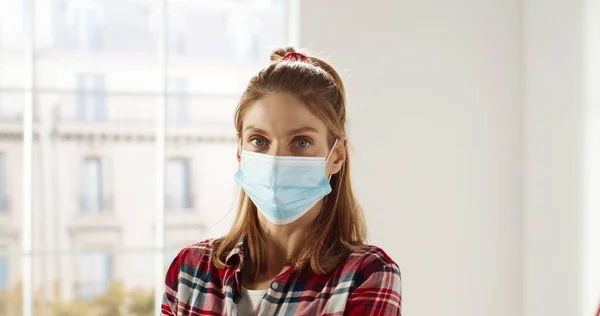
x,y
284,242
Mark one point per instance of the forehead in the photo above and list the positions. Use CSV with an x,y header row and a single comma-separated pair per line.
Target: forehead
x,y
280,112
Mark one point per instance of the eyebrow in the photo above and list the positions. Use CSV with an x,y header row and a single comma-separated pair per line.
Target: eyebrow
x,y
303,130
254,129
292,132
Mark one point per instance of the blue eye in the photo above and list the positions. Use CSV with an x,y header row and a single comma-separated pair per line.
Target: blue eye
x,y
303,143
258,142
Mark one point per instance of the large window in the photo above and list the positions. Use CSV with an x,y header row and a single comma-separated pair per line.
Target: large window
x,y
92,199
117,141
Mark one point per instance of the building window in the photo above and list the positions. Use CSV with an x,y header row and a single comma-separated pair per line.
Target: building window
x,y
89,29
175,41
94,272
92,200
177,191
91,105
177,101
3,201
3,270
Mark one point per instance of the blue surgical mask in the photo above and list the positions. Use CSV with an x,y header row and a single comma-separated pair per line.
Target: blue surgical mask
x,y
283,188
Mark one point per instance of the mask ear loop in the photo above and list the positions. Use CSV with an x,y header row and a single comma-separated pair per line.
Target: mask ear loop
x,y
331,151
329,155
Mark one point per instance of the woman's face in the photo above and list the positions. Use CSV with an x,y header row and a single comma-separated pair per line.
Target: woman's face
x,y
281,125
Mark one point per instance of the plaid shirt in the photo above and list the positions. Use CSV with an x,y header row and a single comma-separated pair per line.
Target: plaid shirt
x,y
366,283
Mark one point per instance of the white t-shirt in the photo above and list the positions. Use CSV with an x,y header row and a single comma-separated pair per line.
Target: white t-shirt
x,y
249,301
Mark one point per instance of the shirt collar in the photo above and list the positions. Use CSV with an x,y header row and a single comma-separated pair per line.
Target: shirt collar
x,y
236,255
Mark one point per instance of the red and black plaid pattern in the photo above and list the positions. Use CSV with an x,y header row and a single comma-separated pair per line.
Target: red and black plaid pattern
x,y
366,283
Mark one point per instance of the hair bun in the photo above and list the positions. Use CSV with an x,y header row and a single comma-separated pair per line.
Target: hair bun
x,y
278,53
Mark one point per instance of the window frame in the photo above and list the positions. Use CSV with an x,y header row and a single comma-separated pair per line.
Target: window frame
x,y
30,89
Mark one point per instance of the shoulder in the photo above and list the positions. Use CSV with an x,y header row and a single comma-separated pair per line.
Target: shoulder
x,y
370,255
371,260
195,252
195,256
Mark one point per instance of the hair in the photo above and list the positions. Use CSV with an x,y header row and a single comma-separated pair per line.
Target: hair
x,y
340,226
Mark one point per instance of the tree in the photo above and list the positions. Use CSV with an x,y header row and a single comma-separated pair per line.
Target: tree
x,y
117,301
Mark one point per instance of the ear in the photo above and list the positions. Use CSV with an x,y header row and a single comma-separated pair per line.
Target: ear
x,y
238,153
338,155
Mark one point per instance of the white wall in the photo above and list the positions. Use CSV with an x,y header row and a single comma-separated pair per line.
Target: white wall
x,y
553,157
435,112
592,168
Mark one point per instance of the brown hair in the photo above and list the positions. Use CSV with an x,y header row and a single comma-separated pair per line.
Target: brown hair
x,y
340,226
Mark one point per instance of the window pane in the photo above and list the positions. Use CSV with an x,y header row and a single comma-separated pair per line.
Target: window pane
x,y
93,274
92,199
11,25
211,78
11,110
177,185
12,62
98,282
110,38
88,27
241,35
207,172
91,97
177,110
243,31
94,189
10,276
97,77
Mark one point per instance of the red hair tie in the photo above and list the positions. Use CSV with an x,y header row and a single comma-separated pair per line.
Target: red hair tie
x,y
295,56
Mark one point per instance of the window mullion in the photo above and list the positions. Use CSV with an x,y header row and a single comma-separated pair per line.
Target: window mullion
x,y
160,156
27,173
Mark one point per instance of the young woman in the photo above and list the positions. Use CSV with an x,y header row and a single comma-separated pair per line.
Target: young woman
x,y
297,245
